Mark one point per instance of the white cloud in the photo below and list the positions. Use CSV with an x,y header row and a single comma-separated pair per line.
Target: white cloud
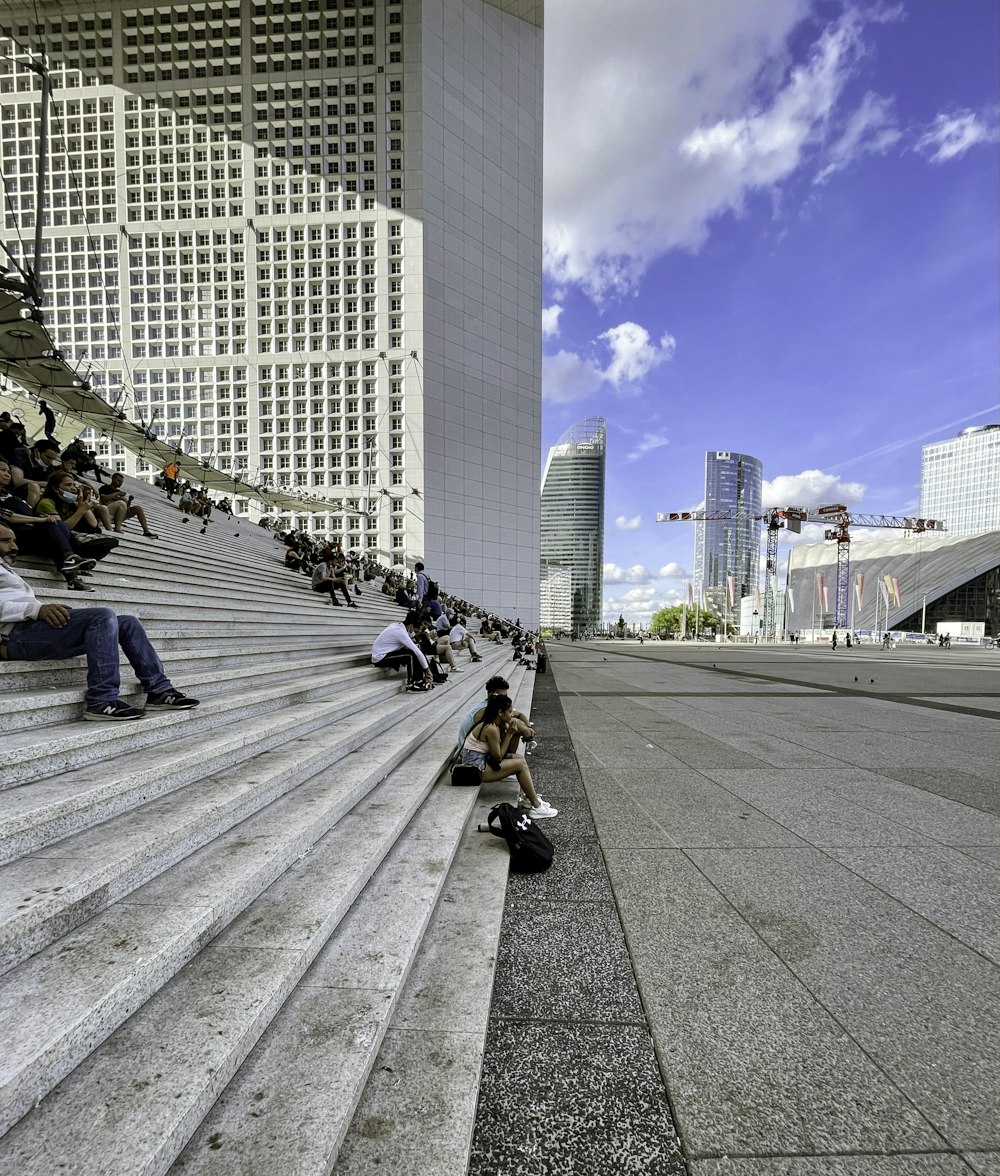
x,y
811,488
550,320
951,135
631,355
683,111
634,354
638,604
646,444
636,574
871,130
628,524
566,377
673,571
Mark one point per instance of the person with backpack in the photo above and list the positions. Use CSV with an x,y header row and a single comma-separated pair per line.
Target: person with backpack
x,y
486,745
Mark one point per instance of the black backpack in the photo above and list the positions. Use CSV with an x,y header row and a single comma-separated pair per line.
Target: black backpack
x,y
531,851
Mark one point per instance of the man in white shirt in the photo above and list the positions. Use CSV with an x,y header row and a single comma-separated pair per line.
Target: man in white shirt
x,y
395,647
461,638
32,631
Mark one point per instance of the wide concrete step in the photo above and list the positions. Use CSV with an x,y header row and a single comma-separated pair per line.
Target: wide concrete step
x,y
36,815
43,706
41,753
132,1103
20,676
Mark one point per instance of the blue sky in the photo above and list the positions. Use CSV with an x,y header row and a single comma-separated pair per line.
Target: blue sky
x,y
769,227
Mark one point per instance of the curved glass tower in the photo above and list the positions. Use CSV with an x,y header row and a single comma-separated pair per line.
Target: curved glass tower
x,y
572,528
731,546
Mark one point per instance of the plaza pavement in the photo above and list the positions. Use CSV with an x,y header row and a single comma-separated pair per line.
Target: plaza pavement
x,y
769,944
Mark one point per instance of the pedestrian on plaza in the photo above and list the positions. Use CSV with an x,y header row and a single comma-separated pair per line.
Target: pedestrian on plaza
x,y
834,642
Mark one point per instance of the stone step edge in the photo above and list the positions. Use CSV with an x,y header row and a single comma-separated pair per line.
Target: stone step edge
x,y
168,771
392,790
28,752
210,680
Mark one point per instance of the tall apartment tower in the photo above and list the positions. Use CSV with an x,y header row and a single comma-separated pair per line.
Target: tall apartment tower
x,y
960,481
730,546
572,528
302,239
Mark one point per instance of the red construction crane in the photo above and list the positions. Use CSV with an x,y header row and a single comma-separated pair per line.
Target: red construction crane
x,y
789,517
839,521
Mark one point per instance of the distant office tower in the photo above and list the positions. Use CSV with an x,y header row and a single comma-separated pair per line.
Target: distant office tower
x,y
302,239
960,481
730,546
572,528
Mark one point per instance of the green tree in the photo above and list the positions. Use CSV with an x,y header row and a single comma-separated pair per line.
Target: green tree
x,y
668,620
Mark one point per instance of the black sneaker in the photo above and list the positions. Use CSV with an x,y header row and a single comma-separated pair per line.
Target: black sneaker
x,y
418,687
75,585
170,700
76,566
115,711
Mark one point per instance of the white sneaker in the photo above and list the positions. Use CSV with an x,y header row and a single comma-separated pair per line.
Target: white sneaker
x,y
544,809
456,670
523,802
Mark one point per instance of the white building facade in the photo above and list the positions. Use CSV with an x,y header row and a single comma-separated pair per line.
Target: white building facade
x,y
960,481
302,240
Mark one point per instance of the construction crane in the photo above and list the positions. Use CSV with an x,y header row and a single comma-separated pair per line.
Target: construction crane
x,y
838,521
788,517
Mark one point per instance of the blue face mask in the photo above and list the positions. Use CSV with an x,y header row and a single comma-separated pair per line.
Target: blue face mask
x,y
66,496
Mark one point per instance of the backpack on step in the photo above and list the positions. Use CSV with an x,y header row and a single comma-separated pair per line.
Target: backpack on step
x,y
531,852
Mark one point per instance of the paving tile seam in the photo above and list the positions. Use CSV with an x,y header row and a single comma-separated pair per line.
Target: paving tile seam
x,y
837,765
550,705
781,962
715,1154
900,700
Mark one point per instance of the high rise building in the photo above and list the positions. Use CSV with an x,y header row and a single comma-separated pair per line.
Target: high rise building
x,y
960,481
302,240
572,528
730,546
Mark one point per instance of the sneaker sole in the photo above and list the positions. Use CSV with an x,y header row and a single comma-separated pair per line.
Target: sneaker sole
x,y
113,718
165,706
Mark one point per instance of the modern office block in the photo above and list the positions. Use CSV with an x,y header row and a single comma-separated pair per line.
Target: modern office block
x,y
729,546
960,481
302,240
572,528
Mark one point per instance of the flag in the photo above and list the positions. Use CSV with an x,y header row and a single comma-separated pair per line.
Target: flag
x,y
731,590
756,598
690,596
791,601
826,599
890,591
895,592
859,589
885,592
820,588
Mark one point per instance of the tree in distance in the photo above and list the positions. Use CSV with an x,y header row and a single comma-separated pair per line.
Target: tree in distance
x,y
668,620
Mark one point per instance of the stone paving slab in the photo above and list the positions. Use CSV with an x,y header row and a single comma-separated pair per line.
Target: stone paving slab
x,y
814,935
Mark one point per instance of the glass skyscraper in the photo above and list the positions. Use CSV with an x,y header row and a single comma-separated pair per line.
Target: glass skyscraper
x,y
301,240
572,529
730,546
960,481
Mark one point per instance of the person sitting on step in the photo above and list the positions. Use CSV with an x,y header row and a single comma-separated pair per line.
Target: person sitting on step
x,y
330,576
395,647
74,503
32,631
46,536
461,638
522,726
486,747
120,505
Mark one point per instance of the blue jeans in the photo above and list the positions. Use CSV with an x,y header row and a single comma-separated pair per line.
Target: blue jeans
x,y
96,632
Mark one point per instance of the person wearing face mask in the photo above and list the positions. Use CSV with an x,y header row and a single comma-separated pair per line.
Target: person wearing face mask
x,y
72,502
48,537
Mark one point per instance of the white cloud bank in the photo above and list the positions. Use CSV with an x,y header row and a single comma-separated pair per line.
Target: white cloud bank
x,y
810,489
951,135
636,574
686,109
628,524
630,354
550,321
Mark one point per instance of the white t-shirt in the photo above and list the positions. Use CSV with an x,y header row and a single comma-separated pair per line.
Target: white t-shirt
x,y
458,634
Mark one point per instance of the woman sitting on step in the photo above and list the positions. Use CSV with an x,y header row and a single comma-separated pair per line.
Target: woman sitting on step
x,y
485,746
